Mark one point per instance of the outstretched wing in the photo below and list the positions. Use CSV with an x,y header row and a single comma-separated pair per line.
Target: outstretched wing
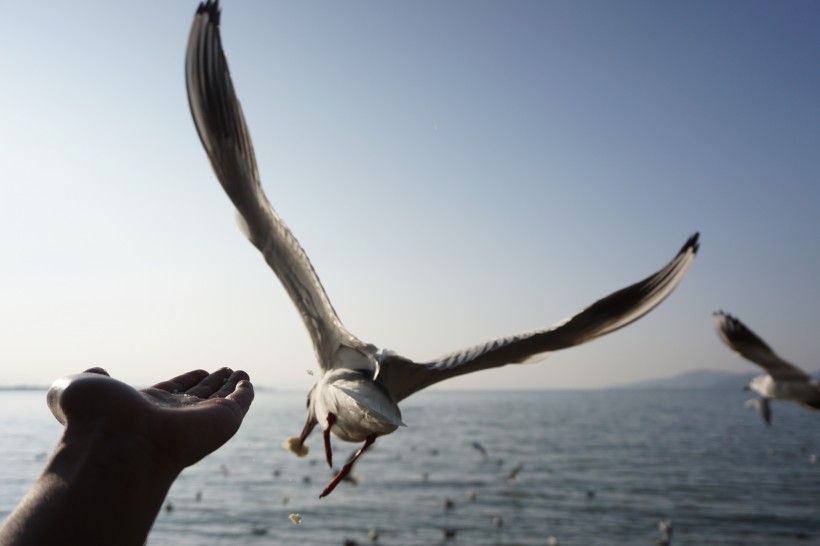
x,y
404,377
746,343
222,130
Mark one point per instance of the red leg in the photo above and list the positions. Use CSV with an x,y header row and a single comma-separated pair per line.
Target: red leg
x,y
331,419
348,466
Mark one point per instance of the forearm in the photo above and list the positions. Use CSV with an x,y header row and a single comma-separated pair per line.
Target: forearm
x,y
100,487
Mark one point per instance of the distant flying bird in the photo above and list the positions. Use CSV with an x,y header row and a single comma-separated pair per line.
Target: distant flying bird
x,y
782,380
357,395
513,475
480,448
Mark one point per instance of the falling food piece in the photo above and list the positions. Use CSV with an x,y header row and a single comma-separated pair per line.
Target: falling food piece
x,y
498,521
295,518
295,445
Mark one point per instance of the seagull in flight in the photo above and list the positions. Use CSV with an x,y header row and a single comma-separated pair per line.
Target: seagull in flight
x,y
357,394
782,380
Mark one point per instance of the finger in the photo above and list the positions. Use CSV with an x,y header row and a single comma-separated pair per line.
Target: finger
x,y
230,384
242,395
98,370
210,384
182,383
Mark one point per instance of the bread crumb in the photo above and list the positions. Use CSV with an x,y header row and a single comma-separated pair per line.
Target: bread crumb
x,y
295,445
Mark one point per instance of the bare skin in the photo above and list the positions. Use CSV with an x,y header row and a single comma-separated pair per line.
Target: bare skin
x,y
120,452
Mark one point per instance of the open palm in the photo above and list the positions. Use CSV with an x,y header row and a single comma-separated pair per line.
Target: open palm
x,y
182,419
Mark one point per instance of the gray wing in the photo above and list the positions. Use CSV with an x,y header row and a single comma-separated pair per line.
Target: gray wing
x,y
745,343
224,134
404,377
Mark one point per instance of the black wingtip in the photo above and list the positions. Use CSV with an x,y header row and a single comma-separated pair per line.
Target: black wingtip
x,y
692,243
728,316
728,322
211,8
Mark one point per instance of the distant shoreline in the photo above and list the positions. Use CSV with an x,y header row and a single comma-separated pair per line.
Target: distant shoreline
x,y
698,379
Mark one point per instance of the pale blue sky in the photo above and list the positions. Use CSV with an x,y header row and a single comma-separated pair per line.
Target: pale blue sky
x,y
457,171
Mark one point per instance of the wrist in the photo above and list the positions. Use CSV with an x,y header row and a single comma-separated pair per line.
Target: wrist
x,y
104,482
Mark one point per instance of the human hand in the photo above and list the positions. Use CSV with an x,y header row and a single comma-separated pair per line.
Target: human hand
x,y
177,422
120,452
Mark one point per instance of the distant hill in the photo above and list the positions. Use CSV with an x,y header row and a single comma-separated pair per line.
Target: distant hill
x,y
23,387
699,379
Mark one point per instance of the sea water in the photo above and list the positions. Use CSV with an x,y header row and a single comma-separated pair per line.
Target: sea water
x,y
595,468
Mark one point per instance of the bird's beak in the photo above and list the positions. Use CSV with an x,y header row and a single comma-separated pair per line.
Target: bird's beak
x,y
747,388
296,444
310,424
